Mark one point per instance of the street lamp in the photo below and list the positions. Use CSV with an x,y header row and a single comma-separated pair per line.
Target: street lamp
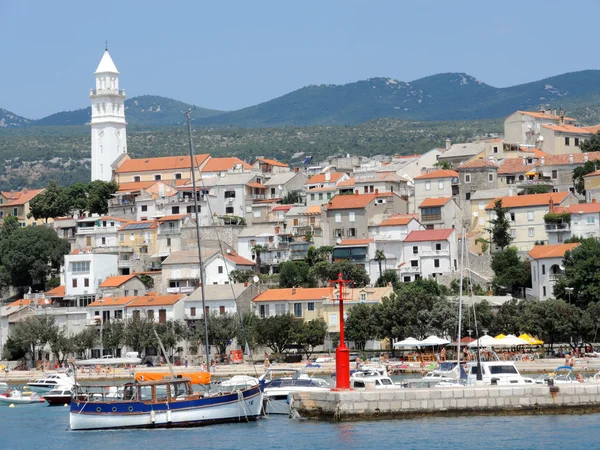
x,y
101,301
569,290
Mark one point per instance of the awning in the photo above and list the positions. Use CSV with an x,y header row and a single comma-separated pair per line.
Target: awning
x,y
531,173
160,255
195,377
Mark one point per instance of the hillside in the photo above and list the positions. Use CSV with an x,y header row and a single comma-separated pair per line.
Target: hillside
x,y
11,120
35,155
441,97
146,110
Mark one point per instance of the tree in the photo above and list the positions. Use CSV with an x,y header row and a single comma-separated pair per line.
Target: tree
x,y
309,335
318,254
291,198
99,193
581,171
379,257
113,335
170,333
256,251
361,325
50,203
241,276
275,332
33,333
61,345
247,332
388,276
500,229
325,272
75,196
85,340
443,165
139,334
295,274
510,272
582,274
538,189
222,329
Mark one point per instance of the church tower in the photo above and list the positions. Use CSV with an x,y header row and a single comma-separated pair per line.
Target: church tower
x,y
109,138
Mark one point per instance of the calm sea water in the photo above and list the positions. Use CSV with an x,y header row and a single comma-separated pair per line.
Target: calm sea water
x,y
43,427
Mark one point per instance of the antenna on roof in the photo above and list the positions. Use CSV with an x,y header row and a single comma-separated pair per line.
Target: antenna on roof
x,y
105,45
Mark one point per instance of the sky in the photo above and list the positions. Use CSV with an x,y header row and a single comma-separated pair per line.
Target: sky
x,y
231,54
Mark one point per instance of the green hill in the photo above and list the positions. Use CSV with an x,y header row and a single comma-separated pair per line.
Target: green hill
x,y
11,120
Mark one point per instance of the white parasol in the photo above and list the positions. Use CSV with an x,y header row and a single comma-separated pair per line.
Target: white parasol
x,y
408,342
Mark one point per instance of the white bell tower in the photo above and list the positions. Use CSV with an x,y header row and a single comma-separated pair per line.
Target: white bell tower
x,y
109,137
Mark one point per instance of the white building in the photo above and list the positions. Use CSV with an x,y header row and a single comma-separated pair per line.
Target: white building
x,y
84,272
546,268
585,223
428,253
220,299
109,137
218,266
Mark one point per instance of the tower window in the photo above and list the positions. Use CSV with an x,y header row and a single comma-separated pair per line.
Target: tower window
x,y
137,179
157,177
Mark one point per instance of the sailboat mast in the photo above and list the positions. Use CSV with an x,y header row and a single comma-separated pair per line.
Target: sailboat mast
x,y
195,195
460,291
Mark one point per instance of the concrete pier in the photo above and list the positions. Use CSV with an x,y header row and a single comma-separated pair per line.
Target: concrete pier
x,y
447,401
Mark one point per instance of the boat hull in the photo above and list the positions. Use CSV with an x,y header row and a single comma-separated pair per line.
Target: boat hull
x,y
56,400
234,407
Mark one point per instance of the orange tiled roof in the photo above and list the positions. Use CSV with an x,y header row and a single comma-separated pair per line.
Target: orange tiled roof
x,y
520,201
320,178
354,201
116,219
593,174
297,294
565,159
580,208
438,174
551,251
441,234
256,185
478,163
432,202
151,224
239,260
162,163
313,210
111,301
536,151
172,217
20,197
282,208
272,162
573,129
514,165
30,302
539,115
397,220
116,281
224,164
346,183
58,291
323,189
356,241
156,300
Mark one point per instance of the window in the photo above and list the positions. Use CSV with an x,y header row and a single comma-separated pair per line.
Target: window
x,y
481,204
137,179
521,177
229,194
543,269
366,189
126,293
81,266
531,231
567,141
150,314
298,309
495,149
530,216
576,142
310,306
441,185
513,233
491,177
74,282
415,250
438,247
174,209
468,196
157,177
168,242
352,232
427,185
221,309
193,311
554,174
103,241
86,282
414,263
178,176
333,321
329,196
220,269
467,177
162,316
264,311
512,216
15,211
121,237
544,291
352,217
338,217
144,208
118,314
312,196
591,220
135,292
229,210
320,196
363,297
436,263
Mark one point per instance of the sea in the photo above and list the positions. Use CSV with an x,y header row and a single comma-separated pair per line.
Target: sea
x,y
43,427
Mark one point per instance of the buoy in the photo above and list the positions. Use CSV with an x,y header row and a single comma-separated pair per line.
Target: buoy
x,y
65,405
12,405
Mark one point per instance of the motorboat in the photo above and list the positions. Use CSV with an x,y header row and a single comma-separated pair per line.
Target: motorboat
x,y
238,382
372,381
52,381
59,396
501,373
17,397
161,403
564,375
370,370
444,371
279,383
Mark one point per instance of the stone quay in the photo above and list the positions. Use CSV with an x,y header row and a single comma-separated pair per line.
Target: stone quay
x,y
447,401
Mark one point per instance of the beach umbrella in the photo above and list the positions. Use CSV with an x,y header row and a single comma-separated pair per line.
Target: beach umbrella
x,y
408,342
532,340
501,336
464,341
484,341
511,341
434,340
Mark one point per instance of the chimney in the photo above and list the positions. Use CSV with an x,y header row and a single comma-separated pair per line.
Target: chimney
x,y
542,111
327,176
585,157
542,161
571,158
524,162
553,112
593,200
376,191
293,291
296,169
551,205
448,144
355,192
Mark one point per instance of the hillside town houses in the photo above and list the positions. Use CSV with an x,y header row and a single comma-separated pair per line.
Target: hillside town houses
x,y
403,213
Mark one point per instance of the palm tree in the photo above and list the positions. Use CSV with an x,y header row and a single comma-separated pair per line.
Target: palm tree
x,y
256,251
380,256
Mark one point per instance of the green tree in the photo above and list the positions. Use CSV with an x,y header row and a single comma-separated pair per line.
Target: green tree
x,y
247,332
388,276
582,274
318,254
170,333
85,340
113,335
511,274
309,335
581,171
380,257
295,274
361,325
443,165
291,198
139,333
500,229
241,276
50,203
33,333
76,197
98,194
61,345
257,251
538,189
325,272
222,329
275,332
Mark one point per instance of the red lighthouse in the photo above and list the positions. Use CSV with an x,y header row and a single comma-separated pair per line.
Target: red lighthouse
x,y
342,354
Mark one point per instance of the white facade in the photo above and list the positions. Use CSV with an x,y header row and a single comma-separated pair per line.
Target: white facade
x,y
429,258
389,237
84,272
109,137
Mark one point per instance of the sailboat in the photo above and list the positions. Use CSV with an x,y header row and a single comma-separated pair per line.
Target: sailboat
x,y
167,402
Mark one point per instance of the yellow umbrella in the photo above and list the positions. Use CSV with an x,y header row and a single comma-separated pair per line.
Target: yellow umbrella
x,y
531,339
531,173
501,336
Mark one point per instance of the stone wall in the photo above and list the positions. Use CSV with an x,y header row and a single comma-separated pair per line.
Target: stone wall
x,y
404,403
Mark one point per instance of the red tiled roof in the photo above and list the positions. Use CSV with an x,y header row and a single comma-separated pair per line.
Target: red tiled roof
x,y
564,159
539,115
514,165
116,281
356,241
320,178
477,164
116,219
156,300
283,208
573,129
346,183
256,185
355,201
172,217
162,163
551,251
536,151
111,301
520,201
323,189
297,294
429,235
21,197
438,174
58,291
272,162
432,202
151,224
397,220
30,302
581,208
238,260
223,164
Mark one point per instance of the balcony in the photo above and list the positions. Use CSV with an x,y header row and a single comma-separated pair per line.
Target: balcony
x,y
170,230
410,269
124,263
86,230
431,217
107,249
435,252
554,277
557,227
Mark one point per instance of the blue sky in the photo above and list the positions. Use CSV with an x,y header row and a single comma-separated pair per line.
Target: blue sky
x,y
232,54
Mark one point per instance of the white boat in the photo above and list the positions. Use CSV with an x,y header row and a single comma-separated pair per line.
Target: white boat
x,y
52,381
370,370
21,398
59,396
374,381
501,373
278,383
